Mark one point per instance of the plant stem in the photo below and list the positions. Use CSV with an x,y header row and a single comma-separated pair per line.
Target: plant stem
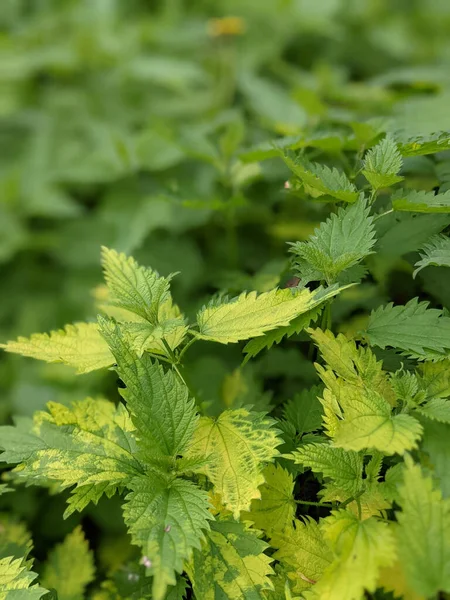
x,y
308,503
352,499
188,345
388,212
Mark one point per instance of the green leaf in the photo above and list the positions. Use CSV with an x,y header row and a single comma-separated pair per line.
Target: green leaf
x,y
340,242
437,409
302,549
435,253
361,549
305,411
423,144
167,519
79,345
230,564
423,533
251,315
419,331
239,444
163,414
275,510
435,379
421,201
382,163
368,423
134,288
16,581
89,445
266,341
344,467
435,444
70,567
320,180
15,540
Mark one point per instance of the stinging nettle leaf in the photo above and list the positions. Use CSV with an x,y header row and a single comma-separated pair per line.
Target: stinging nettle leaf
x,y
163,414
16,581
230,564
70,567
382,163
251,315
341,242
305,411
436,252
79,345
167,518
421,201
419,331
239,444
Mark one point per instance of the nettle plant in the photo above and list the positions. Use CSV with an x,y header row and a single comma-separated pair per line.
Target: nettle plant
x,y
218,501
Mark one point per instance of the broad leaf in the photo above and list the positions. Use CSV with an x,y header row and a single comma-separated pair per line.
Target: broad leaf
x,y
70,567
158,401
424,533
251,315
167,518
340,242
16,581
421,201
79,345
304,412
275,510
344,467
239,444
90,446
419,331
382,163
230,564
435,253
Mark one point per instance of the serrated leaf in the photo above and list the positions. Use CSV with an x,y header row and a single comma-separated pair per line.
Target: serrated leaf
x,y
421,201
437,409
251,315
423,533
266,341
79,345
382,163
322,180
70,567
230,564
434,379
361,549
305,411
340,242
132,287
158,401
167,518
89,445
435,253
302,549
368,423
239,444
16,581
344,467
423,144
419,331
275,509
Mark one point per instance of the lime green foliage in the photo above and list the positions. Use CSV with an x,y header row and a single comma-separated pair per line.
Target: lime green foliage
x,y
266,424
424,533
338,244
79,345
166,517
382,164
230,564
251,315
436,252
417,330
239,444
275,509
70,567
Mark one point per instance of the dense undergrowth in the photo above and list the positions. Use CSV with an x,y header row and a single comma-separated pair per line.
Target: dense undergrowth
x,y
271,422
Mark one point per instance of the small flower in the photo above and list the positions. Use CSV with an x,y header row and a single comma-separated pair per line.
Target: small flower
x,y
226,26
287,185
146,562
133,577
167,528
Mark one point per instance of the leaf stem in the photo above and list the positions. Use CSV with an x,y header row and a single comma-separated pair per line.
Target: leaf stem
x,y
188,345
388,212
352,499
308,503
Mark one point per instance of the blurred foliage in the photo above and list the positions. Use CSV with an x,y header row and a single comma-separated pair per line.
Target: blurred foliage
x,y
143,125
